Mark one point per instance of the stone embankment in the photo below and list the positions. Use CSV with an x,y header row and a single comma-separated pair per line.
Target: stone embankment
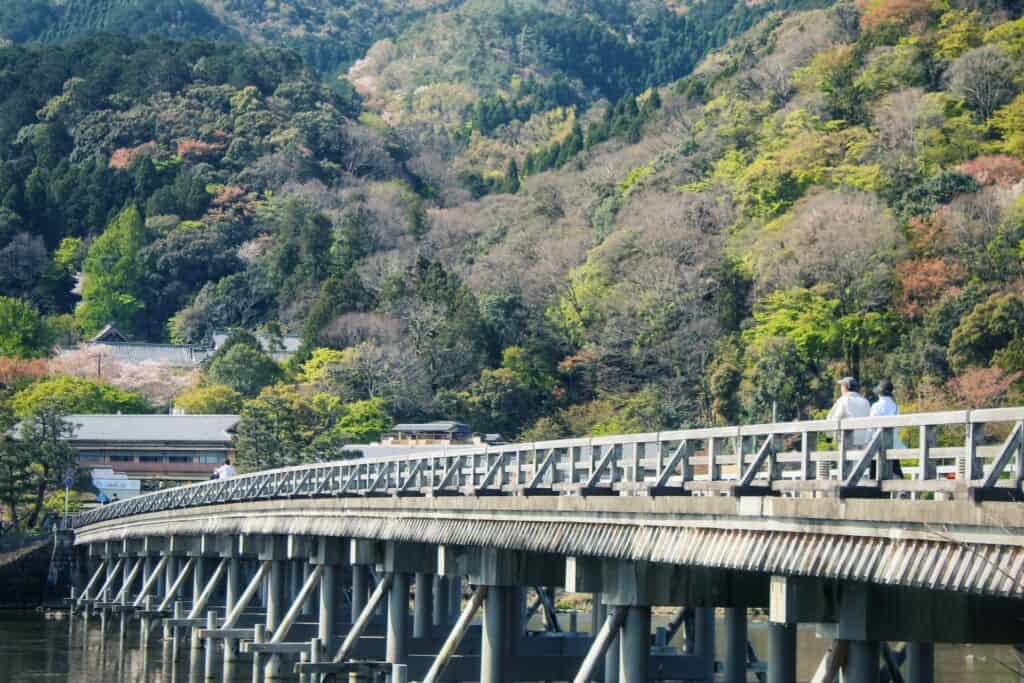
x,y
36,570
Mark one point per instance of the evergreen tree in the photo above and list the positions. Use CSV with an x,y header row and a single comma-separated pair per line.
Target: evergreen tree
x,y
110,293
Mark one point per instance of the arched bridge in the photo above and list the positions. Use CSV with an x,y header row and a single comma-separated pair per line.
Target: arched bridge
x,y
882,529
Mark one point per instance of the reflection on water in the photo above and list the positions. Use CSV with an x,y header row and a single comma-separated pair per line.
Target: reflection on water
x,y
34,648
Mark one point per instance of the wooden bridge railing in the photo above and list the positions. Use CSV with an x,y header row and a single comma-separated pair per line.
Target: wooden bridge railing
x,y
955,454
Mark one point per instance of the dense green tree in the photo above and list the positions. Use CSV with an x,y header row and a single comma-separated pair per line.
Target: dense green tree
x,y
779,379
497,402
272,432
113,275
176,265
283,427
43,433
211,399
246,368
77,395
23,331
362,422
989,327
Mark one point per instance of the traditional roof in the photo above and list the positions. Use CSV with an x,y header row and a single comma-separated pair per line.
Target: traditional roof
x,y
175,355
164,428
290,343
436,426
108,334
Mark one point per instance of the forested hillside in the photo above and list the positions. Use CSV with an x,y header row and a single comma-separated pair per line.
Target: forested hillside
x,y
545,219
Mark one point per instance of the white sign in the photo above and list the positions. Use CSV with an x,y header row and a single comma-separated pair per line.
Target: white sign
x,y
117,484
110,483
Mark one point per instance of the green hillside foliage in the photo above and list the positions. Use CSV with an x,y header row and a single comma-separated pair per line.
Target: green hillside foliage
x,y
481,82
544,219
47,21
329,34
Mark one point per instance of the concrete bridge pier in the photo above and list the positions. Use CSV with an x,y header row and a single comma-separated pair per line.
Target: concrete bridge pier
x,y
782,654
232,592
862,661
407,562
307,605
198,573
362,556
170,572
598,615
330,553
147,567
496,636
454,598
704,639
275,549
634,643
112,567
735,645
920,662
441,601
398,619
423,605
627,590
790,602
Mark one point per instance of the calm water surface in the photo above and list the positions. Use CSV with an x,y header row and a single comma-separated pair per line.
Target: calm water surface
x,y
34,648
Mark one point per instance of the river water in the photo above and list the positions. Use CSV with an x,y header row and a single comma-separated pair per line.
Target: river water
x,y
34,648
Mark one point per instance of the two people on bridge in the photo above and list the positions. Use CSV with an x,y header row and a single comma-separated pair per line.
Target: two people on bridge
x,y
851,404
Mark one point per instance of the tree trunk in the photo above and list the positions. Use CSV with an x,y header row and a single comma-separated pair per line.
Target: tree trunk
x,y
37,507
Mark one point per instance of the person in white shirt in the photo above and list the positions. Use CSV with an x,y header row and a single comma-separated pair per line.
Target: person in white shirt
x,y
225,471
851,404
886,405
